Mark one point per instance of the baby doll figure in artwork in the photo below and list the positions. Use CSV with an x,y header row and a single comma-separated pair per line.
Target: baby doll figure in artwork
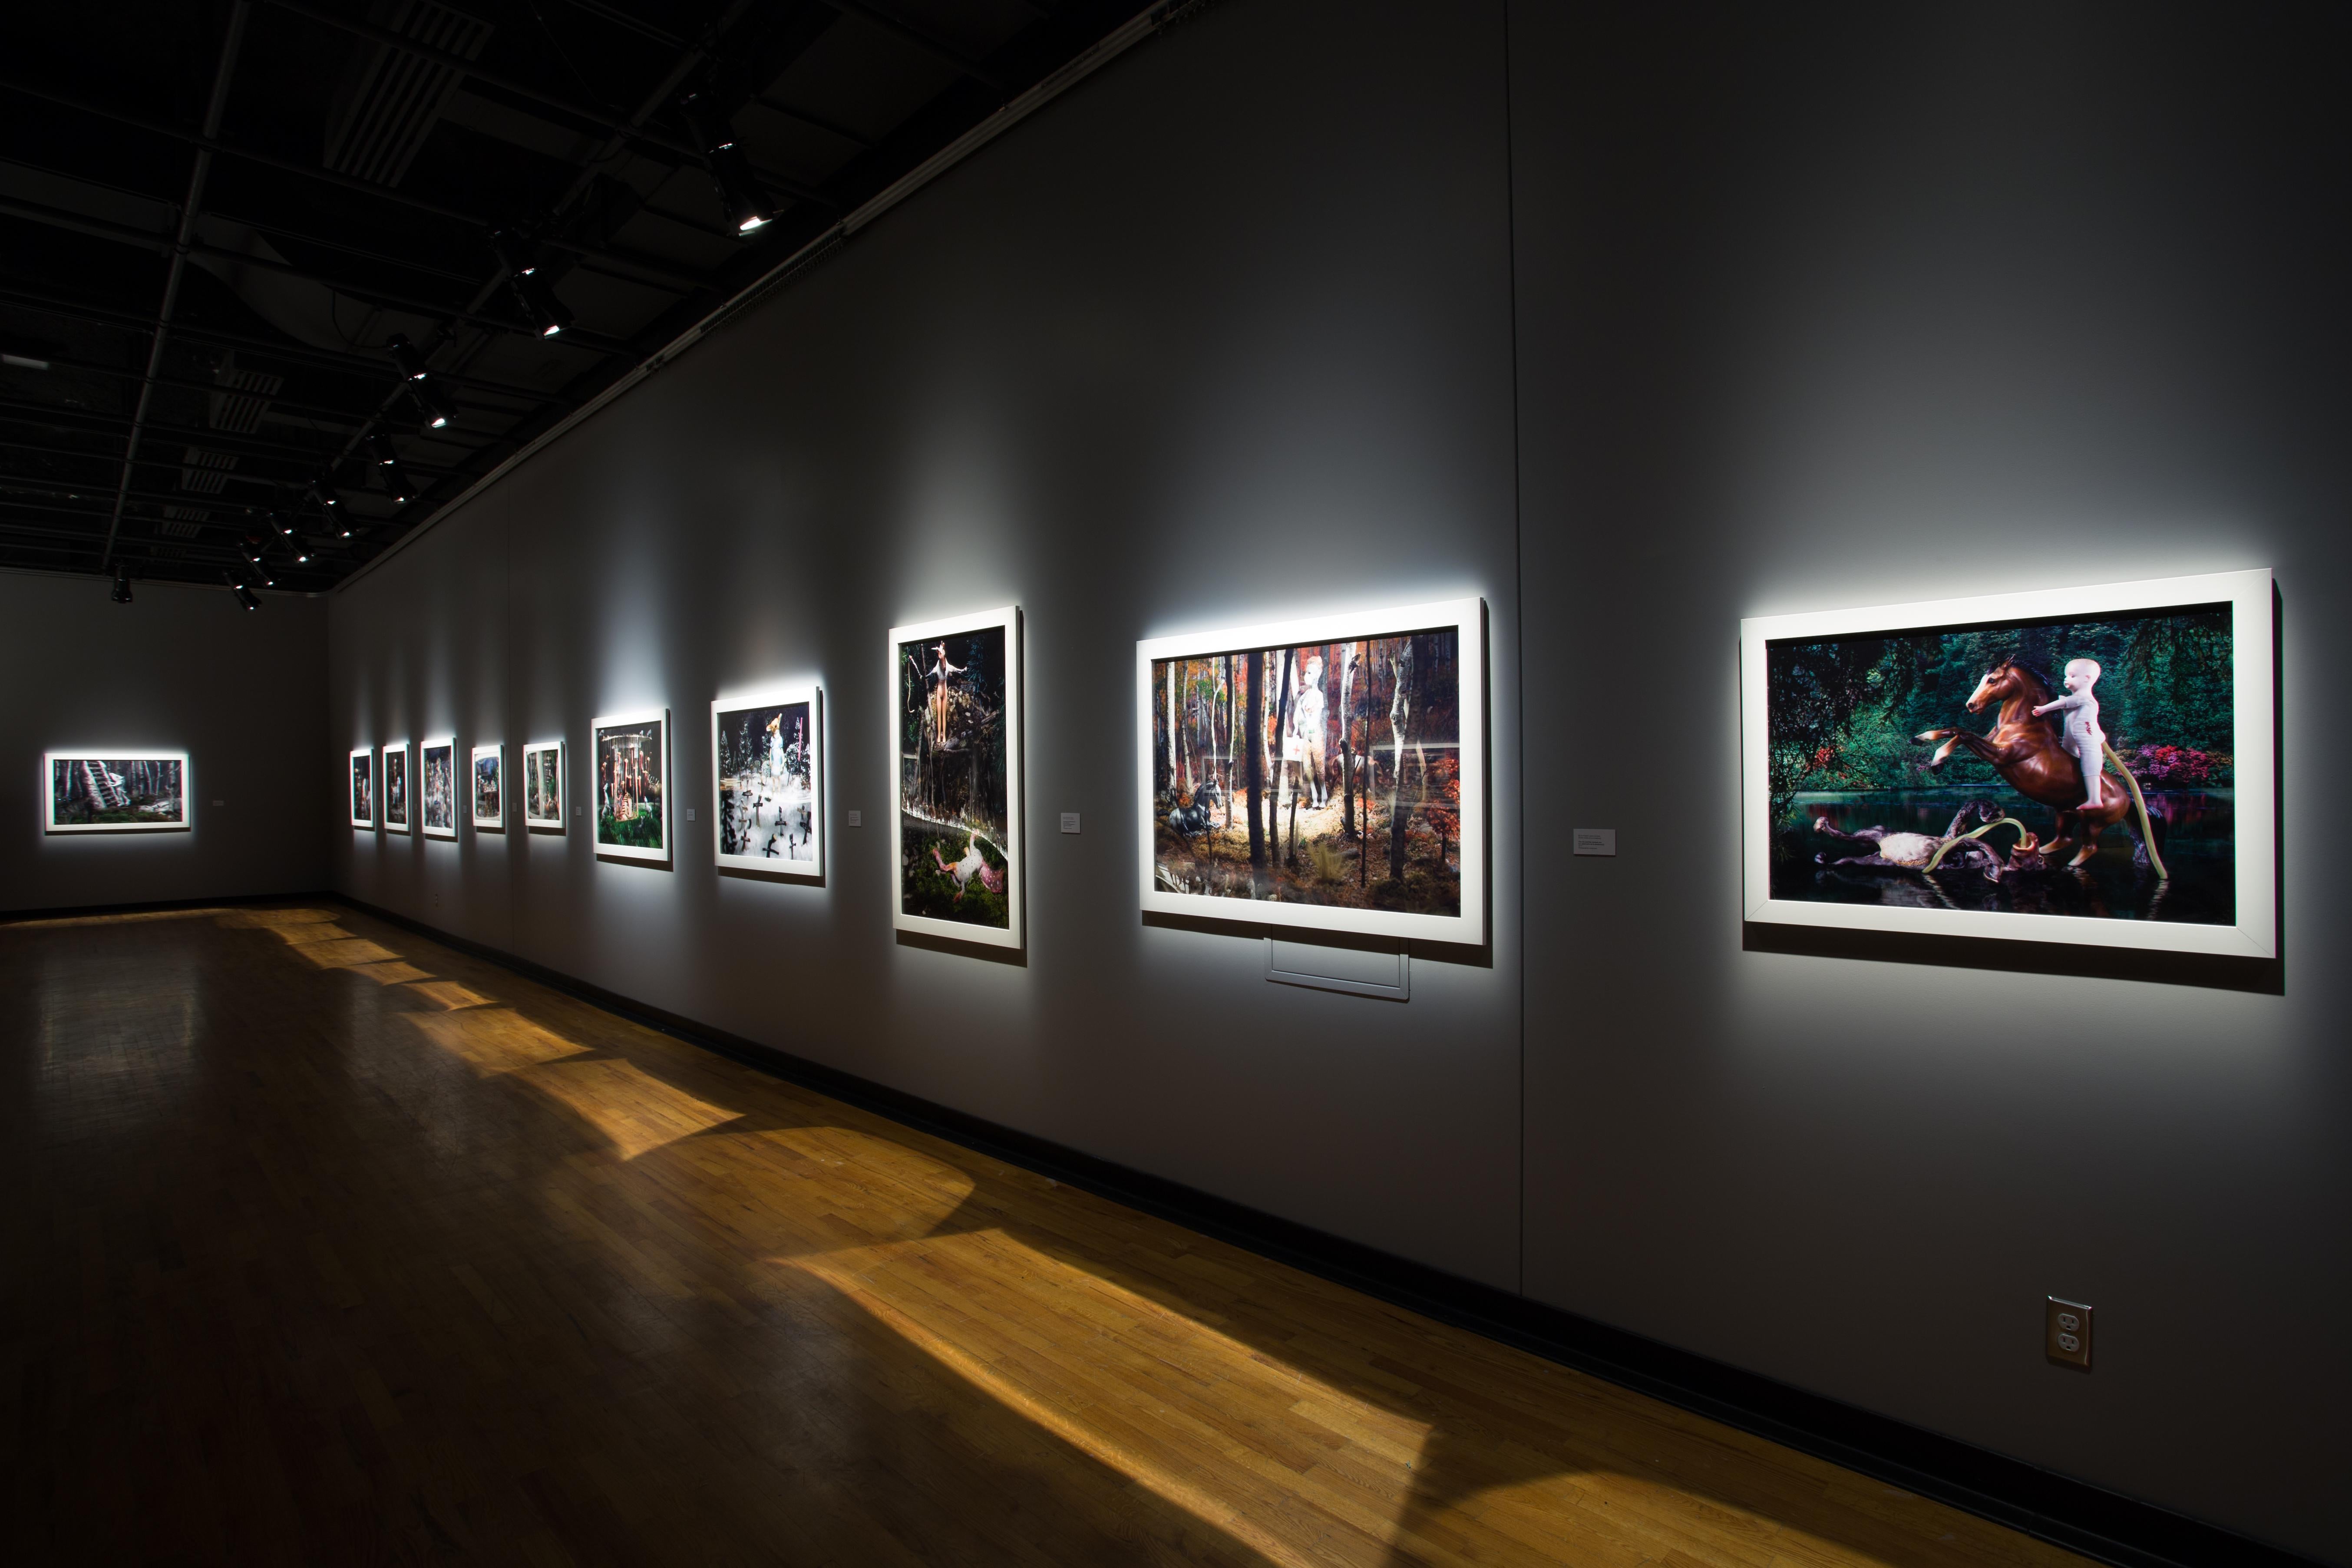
x,y
2084,739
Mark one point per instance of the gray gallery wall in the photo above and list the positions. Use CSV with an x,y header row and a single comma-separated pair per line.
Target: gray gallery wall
x,y
1166,360
1845,305
1309,305
179,669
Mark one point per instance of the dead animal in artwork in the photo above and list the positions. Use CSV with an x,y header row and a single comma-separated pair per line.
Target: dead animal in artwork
x,y
1959,845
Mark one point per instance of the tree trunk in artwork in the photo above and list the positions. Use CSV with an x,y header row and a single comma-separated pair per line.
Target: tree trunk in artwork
x,y
1256,771
1400,719
1281,757
1232,738
1347,742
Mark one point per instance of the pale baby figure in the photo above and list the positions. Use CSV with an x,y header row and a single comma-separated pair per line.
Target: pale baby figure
x,y
2084,739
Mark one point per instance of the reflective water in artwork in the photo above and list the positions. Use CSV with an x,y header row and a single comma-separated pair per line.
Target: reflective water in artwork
x,y
1323,774
954,784
2079,767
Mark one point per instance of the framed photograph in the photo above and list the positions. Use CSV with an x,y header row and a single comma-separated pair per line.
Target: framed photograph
x,y
115,791
1327,774
542,785
632,782
955,745
436,785
490,788
393,787
767,768
2091,766
363,787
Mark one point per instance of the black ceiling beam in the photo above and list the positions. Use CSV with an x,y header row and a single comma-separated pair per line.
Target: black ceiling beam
x,y
183,384
13,483
290,165
646,142
214,441
335,360
831,128
922,39
122,234
190,208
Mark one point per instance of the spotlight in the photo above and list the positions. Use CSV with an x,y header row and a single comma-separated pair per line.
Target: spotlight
x,y
245,596
395,477
430,405
404,355
250,548
433,407
537,300
322,490
741,196
283,522
122,594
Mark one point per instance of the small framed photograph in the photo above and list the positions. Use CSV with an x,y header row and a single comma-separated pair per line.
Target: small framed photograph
x,y
543,786
955,755
437,787
116,791
394,787
2086,765
490,788
767,774
633,785
363,787
1327,774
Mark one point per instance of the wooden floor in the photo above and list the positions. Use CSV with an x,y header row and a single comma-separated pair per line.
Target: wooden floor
x,y
324,1244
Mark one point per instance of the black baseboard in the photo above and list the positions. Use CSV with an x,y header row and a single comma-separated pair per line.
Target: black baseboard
x,y
163,906
2075,1514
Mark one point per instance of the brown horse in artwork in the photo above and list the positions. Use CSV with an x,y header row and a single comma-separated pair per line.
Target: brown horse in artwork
x,y
2031,754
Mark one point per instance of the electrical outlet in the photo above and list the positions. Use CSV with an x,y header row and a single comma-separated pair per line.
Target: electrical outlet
x,y
2066,1333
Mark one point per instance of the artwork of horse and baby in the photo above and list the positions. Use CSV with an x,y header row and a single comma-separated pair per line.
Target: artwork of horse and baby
x,y
2078,766
1326,774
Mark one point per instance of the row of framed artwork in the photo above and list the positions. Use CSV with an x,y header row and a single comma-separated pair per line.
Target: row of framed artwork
x,y
1330,772
1326,773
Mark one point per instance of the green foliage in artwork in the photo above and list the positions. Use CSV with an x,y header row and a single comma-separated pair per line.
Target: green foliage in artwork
x,y
642,831
1844,713
927,889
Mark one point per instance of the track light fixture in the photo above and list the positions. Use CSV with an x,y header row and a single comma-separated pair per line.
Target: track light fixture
x,y
740,196
250,547
387,460
537,300
322,490
435,408
245,596
122,594
282,523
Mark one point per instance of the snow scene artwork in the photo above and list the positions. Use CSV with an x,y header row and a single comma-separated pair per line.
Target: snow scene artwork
x,y
767,768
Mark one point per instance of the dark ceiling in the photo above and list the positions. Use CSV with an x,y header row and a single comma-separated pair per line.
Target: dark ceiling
x,y
216,216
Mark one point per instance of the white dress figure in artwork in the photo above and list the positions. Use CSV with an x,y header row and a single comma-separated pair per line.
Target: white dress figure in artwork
x,y
2084,739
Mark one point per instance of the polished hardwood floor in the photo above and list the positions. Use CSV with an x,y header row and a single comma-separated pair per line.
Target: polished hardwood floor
x,y
325,1243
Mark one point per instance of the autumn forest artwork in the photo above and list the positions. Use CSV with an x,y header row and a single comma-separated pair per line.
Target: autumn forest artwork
x,y
1328,773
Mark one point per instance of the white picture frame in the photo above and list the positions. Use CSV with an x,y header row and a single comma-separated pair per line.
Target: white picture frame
x,y
800,857
904,769
2249,594
362,787
395,786
1466,619
83,780
494,819
441,823
650,750
547,758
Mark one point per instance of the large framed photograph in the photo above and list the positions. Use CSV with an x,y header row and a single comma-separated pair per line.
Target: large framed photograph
x,y
394,787
632,785
542,785
955,751
1326,774
2089,765
490,788
767,768
115,791
363,787
437,785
